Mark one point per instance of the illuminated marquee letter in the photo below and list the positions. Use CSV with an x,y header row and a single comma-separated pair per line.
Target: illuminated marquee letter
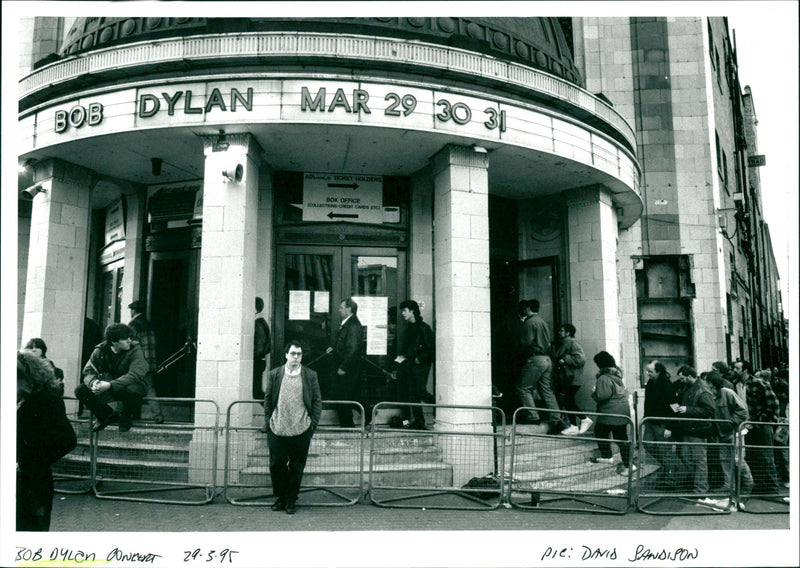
x,y
237,96
95,116
144,100
60,120
317,104
339,100
215,99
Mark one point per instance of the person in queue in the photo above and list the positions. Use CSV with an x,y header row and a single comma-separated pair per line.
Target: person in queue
x,y
38,347
44,435
262,344
568,360
696,401
292,408
347,351
660,392
117,370
537,369
763,406
416,354
613,412
144,333
731,409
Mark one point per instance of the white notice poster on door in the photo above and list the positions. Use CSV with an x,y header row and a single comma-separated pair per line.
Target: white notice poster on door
x,y
373,314
321,302
299,304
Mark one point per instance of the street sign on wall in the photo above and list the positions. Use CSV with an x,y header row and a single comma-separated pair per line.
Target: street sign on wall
x,y
756,161
343,197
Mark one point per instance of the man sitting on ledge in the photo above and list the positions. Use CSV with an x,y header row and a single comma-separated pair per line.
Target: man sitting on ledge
x,y
117,370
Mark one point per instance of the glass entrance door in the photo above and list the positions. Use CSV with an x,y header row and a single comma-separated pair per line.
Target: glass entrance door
x,y
312,281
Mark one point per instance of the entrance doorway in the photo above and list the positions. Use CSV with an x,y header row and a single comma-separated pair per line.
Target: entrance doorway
x,y
172,302
311,282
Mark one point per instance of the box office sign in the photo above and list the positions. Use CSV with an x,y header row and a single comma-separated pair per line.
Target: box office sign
x,y
343,197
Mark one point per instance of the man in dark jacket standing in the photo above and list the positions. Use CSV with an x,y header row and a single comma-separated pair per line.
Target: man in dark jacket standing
x,y
347,351
696,402
416,356
292,407
659,393
117,370
261,348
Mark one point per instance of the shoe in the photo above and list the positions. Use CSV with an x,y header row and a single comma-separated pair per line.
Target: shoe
x,y
741,506
586,423
571,431
291,507
626,471
125,424
278,505
102,423
708,501
723,503
785,499
602,460
417,426
556,428
158,419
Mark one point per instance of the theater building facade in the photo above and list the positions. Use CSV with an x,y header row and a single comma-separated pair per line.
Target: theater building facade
x,y
199,163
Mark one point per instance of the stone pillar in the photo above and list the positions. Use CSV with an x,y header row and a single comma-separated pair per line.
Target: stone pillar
x,y
265,262
592,228
57,264
420,278
461,266
227,276
132,286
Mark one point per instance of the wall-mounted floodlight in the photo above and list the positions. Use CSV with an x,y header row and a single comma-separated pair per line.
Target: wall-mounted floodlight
x,y
233,172
30,192
480,149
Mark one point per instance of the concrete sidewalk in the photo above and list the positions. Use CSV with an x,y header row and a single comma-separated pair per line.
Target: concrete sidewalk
x,y
78,512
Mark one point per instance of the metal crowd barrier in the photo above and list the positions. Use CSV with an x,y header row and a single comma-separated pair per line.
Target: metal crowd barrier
x,y
72,474
434,469
334,472
152,460
760,453
554,472
673,477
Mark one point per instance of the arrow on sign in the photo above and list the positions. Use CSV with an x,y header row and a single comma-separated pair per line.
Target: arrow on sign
x,y
343,215
350,185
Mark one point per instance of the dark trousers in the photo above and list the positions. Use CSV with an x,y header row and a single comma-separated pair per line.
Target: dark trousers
x,y
130,396
34,500
344,388
620,433
413,388
287,460
259,366
761,458
565,395
672,469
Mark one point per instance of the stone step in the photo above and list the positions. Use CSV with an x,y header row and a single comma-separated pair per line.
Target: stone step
x,y
411,474
127,469
401,455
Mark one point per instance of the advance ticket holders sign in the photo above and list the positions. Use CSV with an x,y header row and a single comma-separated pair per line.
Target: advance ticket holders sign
x,y
343,197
